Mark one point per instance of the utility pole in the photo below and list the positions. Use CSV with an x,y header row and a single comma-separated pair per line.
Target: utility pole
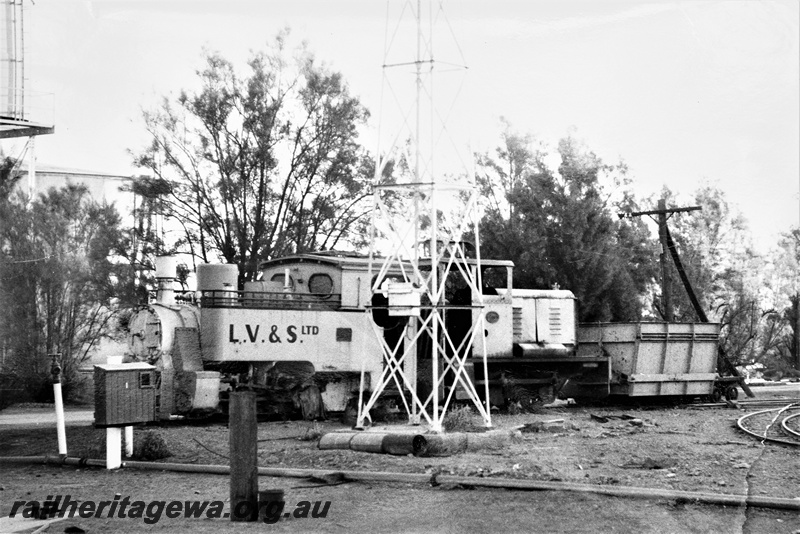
x,y
666,294
663,236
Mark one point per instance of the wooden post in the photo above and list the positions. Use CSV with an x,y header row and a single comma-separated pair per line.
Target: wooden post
x,y
666,297
243,430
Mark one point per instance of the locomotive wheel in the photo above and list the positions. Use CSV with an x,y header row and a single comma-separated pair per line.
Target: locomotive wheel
x,y
732,393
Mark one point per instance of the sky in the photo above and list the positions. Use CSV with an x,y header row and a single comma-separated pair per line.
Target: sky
x,y
683,92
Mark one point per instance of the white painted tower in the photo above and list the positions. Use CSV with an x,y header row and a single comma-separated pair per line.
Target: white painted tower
x,y
427,301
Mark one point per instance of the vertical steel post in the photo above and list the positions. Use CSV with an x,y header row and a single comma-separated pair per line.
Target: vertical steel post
x,y
32,168
59,405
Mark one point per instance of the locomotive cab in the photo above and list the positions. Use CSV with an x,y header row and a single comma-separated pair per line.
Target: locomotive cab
x,y
299,334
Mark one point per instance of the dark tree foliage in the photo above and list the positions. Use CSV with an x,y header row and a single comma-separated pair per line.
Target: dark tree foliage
x,y
778,341
561,228
262,165
59,282
9,177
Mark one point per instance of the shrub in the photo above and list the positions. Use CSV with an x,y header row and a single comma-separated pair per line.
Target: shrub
x,y
459,419
151,447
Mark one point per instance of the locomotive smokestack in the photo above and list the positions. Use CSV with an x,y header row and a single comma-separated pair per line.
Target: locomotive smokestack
x,y
166,273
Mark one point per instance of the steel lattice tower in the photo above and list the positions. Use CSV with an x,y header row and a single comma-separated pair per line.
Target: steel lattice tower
x,y
427,302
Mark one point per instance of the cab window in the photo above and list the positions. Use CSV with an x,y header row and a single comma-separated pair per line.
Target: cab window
x,y
280,278
320,284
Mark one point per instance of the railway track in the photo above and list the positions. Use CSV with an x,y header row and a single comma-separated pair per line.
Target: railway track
x,y
747,403
776,425
791,425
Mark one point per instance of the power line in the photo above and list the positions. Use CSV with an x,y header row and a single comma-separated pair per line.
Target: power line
x,y
14,262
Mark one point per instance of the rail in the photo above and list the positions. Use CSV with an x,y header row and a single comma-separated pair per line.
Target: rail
x,y
767,419
269,300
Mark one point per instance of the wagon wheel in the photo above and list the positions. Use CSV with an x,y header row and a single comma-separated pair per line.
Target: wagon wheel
x,y
716,395
732,393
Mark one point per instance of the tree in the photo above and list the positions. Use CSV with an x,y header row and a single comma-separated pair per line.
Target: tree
x,y
58,281
780,332
263,165
560,227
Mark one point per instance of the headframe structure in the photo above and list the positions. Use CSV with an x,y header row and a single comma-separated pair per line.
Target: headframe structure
x,y
426,286
21,115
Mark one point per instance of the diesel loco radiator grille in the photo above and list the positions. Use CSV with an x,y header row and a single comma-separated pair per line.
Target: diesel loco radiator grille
x,y
517,322
555,322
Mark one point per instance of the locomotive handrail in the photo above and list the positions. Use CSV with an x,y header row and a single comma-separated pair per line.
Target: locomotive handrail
x,y
440,306
269,300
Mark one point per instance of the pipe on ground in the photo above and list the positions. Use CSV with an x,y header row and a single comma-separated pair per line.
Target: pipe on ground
x,y
421,478
416,444
52,459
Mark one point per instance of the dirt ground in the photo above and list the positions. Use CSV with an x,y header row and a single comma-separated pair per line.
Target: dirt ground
x,y
680,448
